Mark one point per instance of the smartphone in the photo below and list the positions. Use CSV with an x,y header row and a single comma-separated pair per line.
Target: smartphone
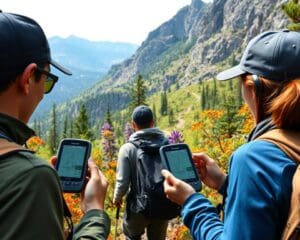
x,y
177,158
71,165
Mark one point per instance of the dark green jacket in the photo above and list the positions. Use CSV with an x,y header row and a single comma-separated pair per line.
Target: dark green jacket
x,y
31,205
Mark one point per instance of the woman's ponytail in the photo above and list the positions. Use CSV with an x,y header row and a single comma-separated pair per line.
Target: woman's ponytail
x,y
285,108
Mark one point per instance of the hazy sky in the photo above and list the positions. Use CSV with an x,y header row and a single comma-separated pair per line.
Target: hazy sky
x,y
97,20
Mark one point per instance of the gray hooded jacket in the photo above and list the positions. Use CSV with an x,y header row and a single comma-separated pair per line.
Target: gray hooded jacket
x,y
127,158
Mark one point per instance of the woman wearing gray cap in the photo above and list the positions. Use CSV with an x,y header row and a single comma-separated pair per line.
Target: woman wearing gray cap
x,y
257,191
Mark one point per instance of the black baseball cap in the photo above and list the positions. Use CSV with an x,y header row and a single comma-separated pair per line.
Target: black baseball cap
x,y
142,115
274,55
22,41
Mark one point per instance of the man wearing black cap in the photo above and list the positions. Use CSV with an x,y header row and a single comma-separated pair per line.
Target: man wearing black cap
x,y
31,199
134,224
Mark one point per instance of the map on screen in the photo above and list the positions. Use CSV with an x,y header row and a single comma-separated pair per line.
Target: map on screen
x,y
71,162
180,164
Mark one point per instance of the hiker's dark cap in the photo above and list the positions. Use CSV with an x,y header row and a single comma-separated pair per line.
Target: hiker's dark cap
x,y
274,55
142,115
22,41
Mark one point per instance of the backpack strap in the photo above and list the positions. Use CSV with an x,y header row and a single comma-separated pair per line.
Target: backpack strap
x,y
8,147
289,142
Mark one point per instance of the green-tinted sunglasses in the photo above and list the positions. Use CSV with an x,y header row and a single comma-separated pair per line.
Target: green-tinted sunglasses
x,y
50,80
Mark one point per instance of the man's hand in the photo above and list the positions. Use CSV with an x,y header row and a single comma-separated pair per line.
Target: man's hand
x,y
118,203
93,194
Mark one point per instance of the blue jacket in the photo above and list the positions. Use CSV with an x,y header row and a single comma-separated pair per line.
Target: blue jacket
x,y
258,190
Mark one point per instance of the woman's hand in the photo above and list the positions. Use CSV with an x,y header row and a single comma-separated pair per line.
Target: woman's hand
x,y
175,189
210,173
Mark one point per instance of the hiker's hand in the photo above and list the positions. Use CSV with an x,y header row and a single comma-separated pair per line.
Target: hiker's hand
x,y
118,203
210,173
53,161
175,189
94,192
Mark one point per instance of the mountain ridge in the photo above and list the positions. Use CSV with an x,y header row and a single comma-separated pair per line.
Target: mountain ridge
x,y
89,62
199,41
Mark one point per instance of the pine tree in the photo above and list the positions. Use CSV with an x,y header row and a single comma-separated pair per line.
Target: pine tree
x,y
71,132
53,141
138,93
207,96
230,122
171,116
82,125
230,85
164,104
203,99
292,10
108,116
38,129
214,94
239,94
154,111
65,128
35,125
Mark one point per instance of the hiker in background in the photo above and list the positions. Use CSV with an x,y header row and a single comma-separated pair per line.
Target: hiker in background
x,y
32,205
257,190
135,223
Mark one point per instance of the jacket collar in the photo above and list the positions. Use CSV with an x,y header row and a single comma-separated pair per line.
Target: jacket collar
x,y
261,128
15,129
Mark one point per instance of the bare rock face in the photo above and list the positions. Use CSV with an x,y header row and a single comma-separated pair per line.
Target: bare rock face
x,y
199,41
217,31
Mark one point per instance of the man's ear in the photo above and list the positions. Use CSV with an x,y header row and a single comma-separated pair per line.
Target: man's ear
x,y
152,124
27,78
133,125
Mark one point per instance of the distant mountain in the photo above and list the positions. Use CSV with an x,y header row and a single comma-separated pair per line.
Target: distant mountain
x,y
196,43
89,62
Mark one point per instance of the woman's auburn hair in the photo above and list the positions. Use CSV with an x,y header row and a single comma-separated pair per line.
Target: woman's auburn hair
x,y
280,100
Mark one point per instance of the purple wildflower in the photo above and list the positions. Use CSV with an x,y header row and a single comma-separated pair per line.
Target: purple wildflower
x,y
175,137
128,131
108,142
106,126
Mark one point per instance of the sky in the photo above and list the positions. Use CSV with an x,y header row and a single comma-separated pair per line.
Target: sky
x,y
98,20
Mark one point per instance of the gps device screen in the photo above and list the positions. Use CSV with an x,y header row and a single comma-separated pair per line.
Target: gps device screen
x,y
180,164
72,161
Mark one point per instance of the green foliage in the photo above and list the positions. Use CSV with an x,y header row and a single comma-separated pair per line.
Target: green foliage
x,y
171,117
82,125
292,10
53,138
108,116
230,121
138,93
164,104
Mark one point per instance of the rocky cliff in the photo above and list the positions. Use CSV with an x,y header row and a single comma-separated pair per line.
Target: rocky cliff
x,y
200,40
215,31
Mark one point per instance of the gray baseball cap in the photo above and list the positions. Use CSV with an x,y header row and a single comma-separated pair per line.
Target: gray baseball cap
x,y
274,55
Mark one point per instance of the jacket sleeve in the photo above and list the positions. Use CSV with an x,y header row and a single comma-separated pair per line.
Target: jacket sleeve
x,y
95,225
123,172
258,196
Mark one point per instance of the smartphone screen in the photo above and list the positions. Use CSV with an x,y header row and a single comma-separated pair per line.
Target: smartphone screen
x,y
72,161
